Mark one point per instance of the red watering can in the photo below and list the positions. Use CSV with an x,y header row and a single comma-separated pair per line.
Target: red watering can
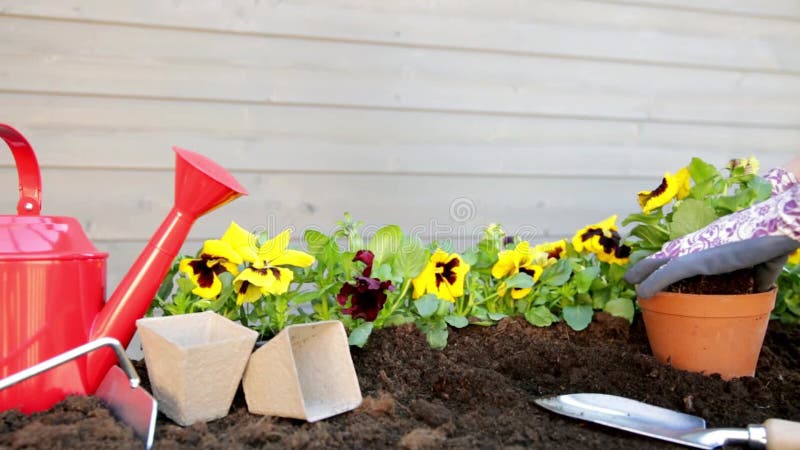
x,y
53,280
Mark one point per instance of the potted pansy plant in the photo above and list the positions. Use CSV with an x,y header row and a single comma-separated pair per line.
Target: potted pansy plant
x,y
708,246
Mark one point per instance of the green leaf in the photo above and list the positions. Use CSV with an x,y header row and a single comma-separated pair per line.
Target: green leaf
x,y
316,242
185,284
557,274
620,307
521,280
539,316
650,236
386,243
437,337
382,272
427,305
578,317
584,278
497,316
411,259
761,188
691,215
397,319
360,334
702,171
456,321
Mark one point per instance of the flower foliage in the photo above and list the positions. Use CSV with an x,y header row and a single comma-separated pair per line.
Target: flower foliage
x,y
391,278
695,196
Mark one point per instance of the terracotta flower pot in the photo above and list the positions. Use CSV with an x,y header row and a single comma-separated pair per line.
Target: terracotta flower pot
x,y
708,333
195,363
304,372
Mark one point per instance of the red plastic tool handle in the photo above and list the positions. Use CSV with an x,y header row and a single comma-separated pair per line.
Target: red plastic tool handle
x,y
30,179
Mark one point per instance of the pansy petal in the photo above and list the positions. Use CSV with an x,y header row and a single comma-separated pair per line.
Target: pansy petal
x,y
424,280
279,280
211,291
506,264
517,294
241,241
230,267
293,258
275,247
219,249
247,293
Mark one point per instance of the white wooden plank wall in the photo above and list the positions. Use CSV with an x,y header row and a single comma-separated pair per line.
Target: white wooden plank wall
x,y
542,115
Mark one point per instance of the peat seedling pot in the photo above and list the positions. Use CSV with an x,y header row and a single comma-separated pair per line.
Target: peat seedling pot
x,y
304,372
708,333
195,362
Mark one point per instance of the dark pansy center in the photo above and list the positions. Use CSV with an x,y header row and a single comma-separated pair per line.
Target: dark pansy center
x,y
659,190
448,273
205,274
555,253
590,233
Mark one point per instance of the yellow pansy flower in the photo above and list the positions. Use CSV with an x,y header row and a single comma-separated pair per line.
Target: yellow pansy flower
x,y
683,180
512,262
443,276
660,196
548,253
266,274
603,240
216,257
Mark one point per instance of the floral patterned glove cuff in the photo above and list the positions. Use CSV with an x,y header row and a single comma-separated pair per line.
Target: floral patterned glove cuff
x,y
780,179
777,216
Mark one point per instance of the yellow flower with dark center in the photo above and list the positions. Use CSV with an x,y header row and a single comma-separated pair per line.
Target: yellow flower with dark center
x,y
548,253
216,257
266,274
512,262
794,258
603,240
660,196
588,238
443,275
683,179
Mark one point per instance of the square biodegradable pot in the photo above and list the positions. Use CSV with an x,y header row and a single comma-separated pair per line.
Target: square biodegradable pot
x,y
195,363
305,372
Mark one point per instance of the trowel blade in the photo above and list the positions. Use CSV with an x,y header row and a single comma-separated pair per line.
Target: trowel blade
x,y
630,415
133,406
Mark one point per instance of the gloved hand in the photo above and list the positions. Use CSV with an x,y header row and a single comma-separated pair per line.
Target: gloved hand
x,y
761,236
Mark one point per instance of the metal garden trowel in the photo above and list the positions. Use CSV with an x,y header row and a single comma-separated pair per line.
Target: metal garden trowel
x,y
661,423
119,390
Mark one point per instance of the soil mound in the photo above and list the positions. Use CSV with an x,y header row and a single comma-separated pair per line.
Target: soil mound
x,y
477,393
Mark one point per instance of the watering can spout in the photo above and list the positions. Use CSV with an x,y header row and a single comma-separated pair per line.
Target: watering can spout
x,y
201,185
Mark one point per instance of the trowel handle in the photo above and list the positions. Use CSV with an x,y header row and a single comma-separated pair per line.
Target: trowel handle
x,y
782,434
76,352
30,179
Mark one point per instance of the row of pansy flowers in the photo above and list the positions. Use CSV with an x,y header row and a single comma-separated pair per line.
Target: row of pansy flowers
x,y
261,270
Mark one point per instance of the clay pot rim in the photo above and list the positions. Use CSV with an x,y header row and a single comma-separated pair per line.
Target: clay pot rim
x,y
704,305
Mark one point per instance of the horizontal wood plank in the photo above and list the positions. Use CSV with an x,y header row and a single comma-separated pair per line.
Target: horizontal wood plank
x,y
91,133
584,29
773,9
66,57
127,205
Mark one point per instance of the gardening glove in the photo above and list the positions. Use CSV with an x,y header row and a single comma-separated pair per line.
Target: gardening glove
x,y
761,236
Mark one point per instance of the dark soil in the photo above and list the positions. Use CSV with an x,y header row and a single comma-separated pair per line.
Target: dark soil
x,y
732,283
477,393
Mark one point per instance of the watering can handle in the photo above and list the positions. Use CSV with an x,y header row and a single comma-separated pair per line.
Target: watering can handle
x,y
30,179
